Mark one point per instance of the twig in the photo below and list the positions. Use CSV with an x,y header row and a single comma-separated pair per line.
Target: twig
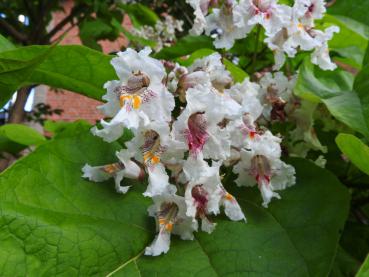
x,y
12,31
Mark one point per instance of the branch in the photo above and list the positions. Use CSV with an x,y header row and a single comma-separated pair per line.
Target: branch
x,y
12,31
62,23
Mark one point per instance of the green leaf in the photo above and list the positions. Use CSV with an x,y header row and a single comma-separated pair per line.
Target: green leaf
x,y
335,90
344,265
60,126
355,150
53,222
185,46
5,44
90,31
361,86
351,42
75,68
364,269
314,84
139,14
15,72
198,54
356,10
237,73
16,137
22,134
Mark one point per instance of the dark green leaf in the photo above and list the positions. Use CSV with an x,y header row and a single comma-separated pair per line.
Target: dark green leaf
x,y
55,223
356,10
75,68
140,14
185,46
14,72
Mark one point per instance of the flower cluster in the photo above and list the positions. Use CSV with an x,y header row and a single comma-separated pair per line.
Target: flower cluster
x,y
190,126
287,29
163,33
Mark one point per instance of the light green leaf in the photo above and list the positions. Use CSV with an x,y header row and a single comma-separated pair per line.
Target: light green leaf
x,y
237,73
314,84
335,90
75,68
198,54
355,150
5,44
364,269
22,134
351,42
53,222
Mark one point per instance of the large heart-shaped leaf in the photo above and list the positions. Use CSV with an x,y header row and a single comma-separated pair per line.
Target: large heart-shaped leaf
x,y
75,68
55,223
15,72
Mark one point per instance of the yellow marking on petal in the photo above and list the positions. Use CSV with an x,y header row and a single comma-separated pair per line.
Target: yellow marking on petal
x,y
110,168
162,221
169,227
147,156
123,99
228,196
136,102
300,26
155,159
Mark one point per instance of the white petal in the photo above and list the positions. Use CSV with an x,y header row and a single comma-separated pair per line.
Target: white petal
x,y
160,245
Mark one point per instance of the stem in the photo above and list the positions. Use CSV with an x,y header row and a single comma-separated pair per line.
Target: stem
x,y
256,45
17,111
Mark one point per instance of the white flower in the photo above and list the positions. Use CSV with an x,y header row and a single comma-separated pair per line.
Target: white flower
x,y
309,10
300,34
124,168
267,13
219,77
140,94
153,145
262,165
205,193
170,213
275,93
220,25
321,56
246,94
200,11
199,124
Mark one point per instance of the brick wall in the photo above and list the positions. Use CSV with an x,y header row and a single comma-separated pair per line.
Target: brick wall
x,y
77,106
